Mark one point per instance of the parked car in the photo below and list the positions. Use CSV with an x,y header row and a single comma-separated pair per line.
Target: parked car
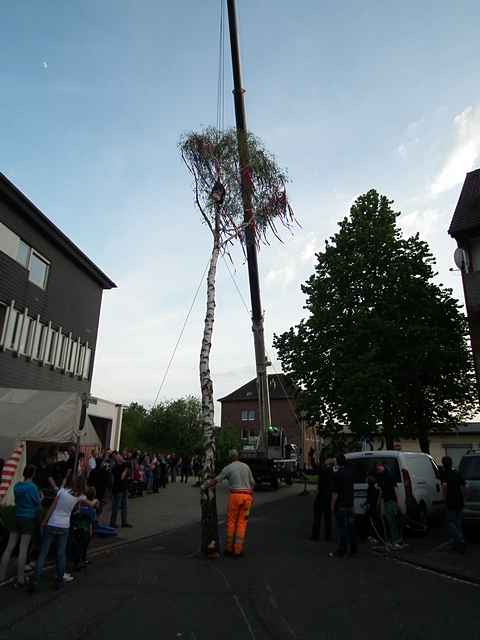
x,y
419,486
469,469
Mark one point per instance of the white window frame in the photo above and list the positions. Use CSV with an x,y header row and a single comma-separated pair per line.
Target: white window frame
x,y
37,331
252,415
66,353
87,362
42,259
80,360
3,337
244,415
47,345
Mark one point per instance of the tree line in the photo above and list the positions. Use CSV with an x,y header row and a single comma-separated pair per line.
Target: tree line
x,y
383,349
173,426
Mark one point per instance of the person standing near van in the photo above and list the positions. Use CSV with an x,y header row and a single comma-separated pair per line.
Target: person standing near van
x,y
342,505
387,485
453,486
322,506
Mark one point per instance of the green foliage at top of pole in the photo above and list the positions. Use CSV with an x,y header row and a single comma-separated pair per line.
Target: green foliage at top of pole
x,y
384,347
212,158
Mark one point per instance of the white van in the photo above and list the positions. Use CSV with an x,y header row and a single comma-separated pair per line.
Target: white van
x,y
419,487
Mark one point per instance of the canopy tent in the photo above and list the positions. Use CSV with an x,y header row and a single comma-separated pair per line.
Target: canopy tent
x,y
28,415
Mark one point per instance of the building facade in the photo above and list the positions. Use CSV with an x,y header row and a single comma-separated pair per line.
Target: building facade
x,y
240,409
465,229
50,298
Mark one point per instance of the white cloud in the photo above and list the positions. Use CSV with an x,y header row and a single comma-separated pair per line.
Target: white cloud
x,y
411,137
464,154
422,221
45,64
310,248
283,275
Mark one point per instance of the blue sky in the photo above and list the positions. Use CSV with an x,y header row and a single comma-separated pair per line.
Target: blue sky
x,y
348,96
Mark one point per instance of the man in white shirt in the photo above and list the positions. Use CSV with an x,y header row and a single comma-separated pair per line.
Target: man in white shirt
x,y
241,483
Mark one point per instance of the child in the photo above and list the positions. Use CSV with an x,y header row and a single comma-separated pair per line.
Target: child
x,y
83,524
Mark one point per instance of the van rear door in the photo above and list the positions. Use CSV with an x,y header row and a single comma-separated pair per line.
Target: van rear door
x,y
365,465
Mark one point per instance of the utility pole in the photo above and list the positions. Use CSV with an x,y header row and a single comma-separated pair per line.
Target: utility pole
x,y
244,156
86,400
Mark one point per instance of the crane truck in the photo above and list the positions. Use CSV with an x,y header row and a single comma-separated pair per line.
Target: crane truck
x,y
278,463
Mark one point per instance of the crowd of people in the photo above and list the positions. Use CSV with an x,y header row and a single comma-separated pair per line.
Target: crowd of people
x,y
382,524
67,496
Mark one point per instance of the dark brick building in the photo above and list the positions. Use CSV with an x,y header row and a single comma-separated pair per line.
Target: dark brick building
x,y
240,408
465,228
50,297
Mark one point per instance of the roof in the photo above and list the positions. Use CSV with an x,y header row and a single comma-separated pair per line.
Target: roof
x,y
464,428
46,226
467,213
279,385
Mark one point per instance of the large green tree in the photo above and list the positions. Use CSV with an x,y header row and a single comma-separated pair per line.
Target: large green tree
x,y
384,346
172,425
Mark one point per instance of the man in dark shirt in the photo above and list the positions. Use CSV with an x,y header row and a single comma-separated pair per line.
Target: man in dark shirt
x,y
453,485
120,492
322,507
387,485
342,506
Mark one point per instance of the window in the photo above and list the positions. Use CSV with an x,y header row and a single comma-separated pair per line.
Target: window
x,y
364,466
251,416
23,253
470,468
9,242
86,364
244,415
38,270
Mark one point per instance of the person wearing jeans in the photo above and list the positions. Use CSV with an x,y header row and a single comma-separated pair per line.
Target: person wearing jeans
x,y
27,508
387,484
120,493
56,525
342,506
59,535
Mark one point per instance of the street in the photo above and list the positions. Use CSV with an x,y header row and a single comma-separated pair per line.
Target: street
x,y
285,587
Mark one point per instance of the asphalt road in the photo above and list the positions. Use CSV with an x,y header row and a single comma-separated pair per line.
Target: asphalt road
x,y
287,588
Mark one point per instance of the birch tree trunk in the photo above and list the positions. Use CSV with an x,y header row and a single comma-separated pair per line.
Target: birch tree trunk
x,y
210,539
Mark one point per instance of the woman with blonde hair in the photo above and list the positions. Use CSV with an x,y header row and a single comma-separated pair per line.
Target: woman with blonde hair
x,y
56,525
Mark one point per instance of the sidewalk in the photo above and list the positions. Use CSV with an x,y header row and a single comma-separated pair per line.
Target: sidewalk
x,y
432,552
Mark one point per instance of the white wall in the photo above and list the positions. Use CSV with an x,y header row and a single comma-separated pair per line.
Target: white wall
x,y
110,411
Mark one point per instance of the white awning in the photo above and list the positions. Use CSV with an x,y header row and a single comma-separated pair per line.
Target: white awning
x,y
41,416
